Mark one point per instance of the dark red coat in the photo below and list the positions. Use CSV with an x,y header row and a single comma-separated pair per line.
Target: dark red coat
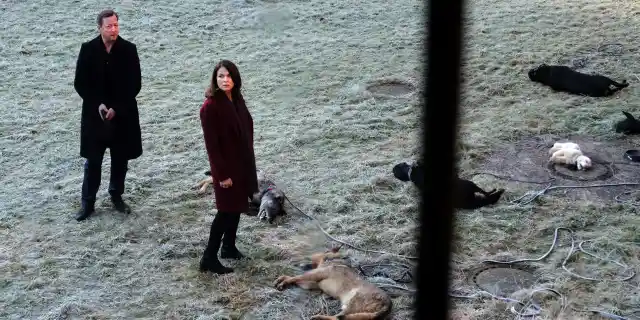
x,y
228,136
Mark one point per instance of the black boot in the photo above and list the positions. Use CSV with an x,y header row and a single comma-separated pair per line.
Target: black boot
x,y
229,250
85,211
209,261
119,204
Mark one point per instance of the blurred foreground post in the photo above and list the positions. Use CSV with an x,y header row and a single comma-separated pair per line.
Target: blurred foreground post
x,y
443,49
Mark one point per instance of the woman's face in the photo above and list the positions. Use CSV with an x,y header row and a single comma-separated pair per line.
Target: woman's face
x,y
223,78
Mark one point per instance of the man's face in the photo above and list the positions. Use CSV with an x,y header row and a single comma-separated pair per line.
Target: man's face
x,y
109,29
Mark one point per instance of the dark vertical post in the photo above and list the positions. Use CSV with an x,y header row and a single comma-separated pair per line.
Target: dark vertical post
x,y
444,43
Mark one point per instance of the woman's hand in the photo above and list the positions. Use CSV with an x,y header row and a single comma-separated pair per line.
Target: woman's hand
x,y
226,183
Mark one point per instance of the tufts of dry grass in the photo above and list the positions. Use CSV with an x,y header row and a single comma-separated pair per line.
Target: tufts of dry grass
x,y
327,141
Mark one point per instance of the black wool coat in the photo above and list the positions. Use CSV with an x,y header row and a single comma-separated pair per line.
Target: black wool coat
x,y
118,92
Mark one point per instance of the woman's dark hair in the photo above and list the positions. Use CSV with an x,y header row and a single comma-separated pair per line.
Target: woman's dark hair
x,y
235,76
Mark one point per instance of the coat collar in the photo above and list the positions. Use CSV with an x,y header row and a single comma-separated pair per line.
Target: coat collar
x,y
100,44
231,109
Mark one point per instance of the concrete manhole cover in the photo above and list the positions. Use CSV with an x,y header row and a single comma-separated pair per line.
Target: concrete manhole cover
x,y
391,88
598,171
503,280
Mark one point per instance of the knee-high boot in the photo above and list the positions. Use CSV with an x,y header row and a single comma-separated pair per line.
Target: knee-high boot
x,y
209,261
229,249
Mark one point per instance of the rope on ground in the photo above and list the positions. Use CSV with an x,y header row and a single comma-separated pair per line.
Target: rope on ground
x,y
473,174
532,308
536,194
343,242
608,314
574,249
629,202
406,276
528,309
634,164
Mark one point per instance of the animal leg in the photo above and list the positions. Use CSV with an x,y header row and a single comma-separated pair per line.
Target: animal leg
x,y
282,281
494,197
323,317
554,149
359,316
476,203
308,285
559,157
624,84
203,184
262,212
315,275
480,190
490,199
616,87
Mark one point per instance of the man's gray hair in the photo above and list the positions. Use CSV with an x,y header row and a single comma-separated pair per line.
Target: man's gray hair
x,y
105,14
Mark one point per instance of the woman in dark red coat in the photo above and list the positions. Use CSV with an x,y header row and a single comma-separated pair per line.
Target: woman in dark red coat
x,y
228,136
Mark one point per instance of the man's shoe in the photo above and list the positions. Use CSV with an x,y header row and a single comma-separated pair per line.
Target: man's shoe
x,y
84,213
119,204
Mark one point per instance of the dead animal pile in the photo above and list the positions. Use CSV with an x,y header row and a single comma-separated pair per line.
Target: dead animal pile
x,y
269,199
267,203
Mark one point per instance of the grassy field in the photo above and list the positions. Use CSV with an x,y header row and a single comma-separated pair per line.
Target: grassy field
x,y
321,135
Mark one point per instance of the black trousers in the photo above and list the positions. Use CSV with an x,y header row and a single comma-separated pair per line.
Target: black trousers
x,y
93,172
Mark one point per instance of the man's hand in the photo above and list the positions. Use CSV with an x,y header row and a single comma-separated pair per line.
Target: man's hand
x,y
110,114
106,113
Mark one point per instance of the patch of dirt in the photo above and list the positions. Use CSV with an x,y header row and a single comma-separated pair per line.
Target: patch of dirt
x,y
527,159
598,171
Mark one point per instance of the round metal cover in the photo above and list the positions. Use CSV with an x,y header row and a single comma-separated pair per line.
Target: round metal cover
x,y
598,171
391,88
503,281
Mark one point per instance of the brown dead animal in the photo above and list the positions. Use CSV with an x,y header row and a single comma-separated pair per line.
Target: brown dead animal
x,y
328,272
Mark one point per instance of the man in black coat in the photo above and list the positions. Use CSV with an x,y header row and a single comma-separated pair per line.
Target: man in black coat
x,y
108,79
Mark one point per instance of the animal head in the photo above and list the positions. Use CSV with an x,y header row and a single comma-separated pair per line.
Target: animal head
x,y
271,205
583,162
535,73
318,258
630,125
402,171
